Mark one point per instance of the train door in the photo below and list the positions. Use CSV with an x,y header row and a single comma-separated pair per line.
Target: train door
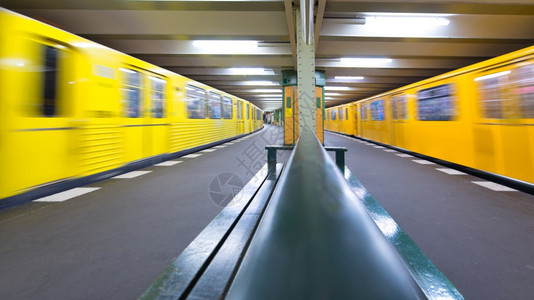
x,y
356,117
253,118
399,116
247,118
157,129
239,117
137,137
501,135
41,133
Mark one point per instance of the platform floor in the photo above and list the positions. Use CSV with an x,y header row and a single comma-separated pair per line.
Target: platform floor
x,y
481,239
112,242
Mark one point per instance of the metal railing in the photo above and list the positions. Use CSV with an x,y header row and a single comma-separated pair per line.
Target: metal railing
x,y
317,241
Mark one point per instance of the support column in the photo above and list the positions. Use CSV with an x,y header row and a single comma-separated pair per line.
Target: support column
x,y
306,76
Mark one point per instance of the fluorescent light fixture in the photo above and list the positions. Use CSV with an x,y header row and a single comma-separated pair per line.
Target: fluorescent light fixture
x,y
329,98
494,75
250,71
365,61
260,82
345,20
348,78
405,21
337,88
333,94
266,91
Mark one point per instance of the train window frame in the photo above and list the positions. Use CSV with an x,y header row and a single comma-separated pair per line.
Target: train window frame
x,y
158,92
377,110
495,83
132,92
240,110
50,81
334,114
432,112
214,105
364,112
523,90
248,111
50,73
227,109
341,114
347,112
196,99
399,107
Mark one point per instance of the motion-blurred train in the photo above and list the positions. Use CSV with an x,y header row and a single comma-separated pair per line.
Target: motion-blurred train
x,y
480,116
71,108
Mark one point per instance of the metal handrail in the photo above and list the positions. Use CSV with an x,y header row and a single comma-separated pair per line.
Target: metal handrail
x,y
317,241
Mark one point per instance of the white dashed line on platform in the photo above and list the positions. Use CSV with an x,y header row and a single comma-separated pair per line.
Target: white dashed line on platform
x,y
208,150
229,143
168,163
379,147
450,171
390,150
423,162
494,186
66,195
220,147
131,175
192,155
404,155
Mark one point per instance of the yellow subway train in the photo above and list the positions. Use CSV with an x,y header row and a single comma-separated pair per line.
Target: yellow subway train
x,y
71,108
480,117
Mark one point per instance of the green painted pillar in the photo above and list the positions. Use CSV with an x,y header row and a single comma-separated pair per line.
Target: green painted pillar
x,y
305,77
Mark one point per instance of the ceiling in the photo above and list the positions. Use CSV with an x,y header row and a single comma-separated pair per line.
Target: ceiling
x,y
164,33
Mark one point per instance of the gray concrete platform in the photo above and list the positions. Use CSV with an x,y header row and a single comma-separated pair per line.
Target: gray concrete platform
x,y
112,243
479,238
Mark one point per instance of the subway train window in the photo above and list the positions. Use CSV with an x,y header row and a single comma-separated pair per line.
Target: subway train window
x,y
436,103
258,115
227,107
50,81
377,110
364,112
239,110
157,86
524,82
131,93
214,104
248,111
491,90
196,102
341,113
334,115
398,105
347,112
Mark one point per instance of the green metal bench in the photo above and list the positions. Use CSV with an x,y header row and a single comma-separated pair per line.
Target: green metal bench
x,y
306,232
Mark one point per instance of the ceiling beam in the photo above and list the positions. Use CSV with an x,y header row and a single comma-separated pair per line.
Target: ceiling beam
x,y
497,7
319,21
288,4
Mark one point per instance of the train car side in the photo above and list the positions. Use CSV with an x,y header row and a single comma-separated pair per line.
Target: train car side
x,y
73,108
480,116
